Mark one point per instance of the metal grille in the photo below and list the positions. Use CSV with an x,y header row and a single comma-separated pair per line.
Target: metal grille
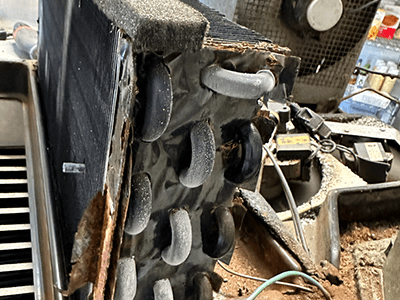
x,y
340,44
222,28
16,271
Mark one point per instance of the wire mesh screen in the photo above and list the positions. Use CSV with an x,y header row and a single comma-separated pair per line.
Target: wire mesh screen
x,y
320,58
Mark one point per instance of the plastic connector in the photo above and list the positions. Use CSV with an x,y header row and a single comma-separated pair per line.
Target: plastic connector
x,y
310,121
3,35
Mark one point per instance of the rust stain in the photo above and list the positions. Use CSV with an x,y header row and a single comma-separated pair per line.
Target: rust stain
x,y
244,46
87,241
104,248
110,220
119,230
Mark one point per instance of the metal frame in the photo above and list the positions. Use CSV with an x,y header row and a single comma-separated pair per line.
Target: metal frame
x,y
47,263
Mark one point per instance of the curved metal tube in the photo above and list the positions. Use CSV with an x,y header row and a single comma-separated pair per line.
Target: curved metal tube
x,y
203,288
140,204
236,84
223,221
162,290
159,100
126,284
251,156
181,242
203,156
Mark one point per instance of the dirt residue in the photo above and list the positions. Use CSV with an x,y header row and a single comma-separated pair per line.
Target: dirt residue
x,y
246,261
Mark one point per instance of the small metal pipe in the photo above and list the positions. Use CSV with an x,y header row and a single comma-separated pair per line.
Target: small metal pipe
x,y
387,96
236,84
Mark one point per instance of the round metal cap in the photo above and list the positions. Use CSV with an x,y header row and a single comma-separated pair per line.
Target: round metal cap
x,y
322,15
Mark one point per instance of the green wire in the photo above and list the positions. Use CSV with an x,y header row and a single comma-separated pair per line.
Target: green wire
x,y
284,275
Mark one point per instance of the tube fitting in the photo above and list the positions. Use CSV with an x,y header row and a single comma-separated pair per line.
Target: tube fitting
x,y
181,242
236,84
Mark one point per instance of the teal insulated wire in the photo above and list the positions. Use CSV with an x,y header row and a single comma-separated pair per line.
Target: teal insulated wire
x,y
284,275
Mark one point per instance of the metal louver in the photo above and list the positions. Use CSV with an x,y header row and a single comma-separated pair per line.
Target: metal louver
x,y
16,268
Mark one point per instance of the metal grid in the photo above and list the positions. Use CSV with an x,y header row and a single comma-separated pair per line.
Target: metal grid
x,y
340,44
16,266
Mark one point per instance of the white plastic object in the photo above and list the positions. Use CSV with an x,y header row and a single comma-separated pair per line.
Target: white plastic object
x,y
322,15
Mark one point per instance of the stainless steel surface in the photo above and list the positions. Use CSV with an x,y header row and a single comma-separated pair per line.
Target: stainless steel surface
x,y
17,290
52,266
11,120
13,195
14,210
15,267
14,246
18,82
14,227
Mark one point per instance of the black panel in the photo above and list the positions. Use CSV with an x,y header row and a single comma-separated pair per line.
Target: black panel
x,y
77,78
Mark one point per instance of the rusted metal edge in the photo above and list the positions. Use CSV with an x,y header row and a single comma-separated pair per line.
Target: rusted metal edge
x,y
256,203
92,251
119,229
236,46
117,162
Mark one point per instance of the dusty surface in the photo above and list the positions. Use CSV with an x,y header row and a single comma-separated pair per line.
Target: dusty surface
x,y
363,246
334,175
353,237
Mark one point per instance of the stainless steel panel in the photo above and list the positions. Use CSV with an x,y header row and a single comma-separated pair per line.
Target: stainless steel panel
x,y
18,82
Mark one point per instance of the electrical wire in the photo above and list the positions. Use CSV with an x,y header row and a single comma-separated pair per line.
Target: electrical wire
x,y
290,199
272,136
347,150
284,275
362,7
262,279
314,153
328,146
